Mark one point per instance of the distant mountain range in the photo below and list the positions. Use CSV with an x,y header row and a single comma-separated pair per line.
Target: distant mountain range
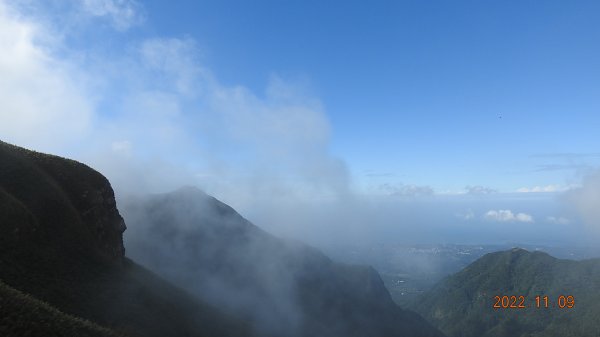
x,y
409,270
463,303
63,271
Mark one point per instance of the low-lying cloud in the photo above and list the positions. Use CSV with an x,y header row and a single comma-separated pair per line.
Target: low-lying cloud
x,y
478,190
506,215
406,190
558,220
586,200
466,215
542,189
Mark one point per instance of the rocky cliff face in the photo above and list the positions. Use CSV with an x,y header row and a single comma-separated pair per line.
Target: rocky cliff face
x,y
61,242
65,199
100,214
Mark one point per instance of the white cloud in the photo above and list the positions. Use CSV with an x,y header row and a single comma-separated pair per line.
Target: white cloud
x,y
467,215
123,14
402,190
542,189
507,216
155,101
177,65
479,190
271,144
558,220
42,101
122,147
586,200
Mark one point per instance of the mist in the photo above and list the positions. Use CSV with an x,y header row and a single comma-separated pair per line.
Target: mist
x,y
585,200
205,247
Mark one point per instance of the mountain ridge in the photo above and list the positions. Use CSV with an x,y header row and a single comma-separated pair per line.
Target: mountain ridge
x,y
463,304
62,245
283,283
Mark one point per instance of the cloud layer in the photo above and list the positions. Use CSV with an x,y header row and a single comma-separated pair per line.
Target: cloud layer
x,y
506,215
542,189
478,190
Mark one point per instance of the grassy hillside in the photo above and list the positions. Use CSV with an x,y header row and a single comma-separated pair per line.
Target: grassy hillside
x,y
60,242
462,304
24,315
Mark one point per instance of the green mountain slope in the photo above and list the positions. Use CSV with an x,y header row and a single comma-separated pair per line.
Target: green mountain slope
x,y
285,288
61,242
462,304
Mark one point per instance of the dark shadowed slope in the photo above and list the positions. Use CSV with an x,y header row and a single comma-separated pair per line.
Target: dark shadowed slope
x,y
24,315
462,304
60,242
285,288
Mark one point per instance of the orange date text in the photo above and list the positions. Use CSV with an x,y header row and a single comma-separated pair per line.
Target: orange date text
x,y
521,302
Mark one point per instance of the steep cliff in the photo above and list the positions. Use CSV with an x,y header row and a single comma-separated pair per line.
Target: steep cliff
x,y
61,242
66,203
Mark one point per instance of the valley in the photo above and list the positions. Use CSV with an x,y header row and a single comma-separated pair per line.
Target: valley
x,y
410,270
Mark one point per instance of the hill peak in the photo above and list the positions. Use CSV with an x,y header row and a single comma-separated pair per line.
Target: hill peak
x,y
515,255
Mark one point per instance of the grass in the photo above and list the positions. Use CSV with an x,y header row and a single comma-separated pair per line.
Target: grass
x,y
23,315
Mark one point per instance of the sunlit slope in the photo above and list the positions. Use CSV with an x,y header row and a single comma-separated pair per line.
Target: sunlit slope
x,y
462,304
60,242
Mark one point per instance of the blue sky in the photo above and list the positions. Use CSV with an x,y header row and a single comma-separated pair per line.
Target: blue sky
x,y
446,94
323,115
